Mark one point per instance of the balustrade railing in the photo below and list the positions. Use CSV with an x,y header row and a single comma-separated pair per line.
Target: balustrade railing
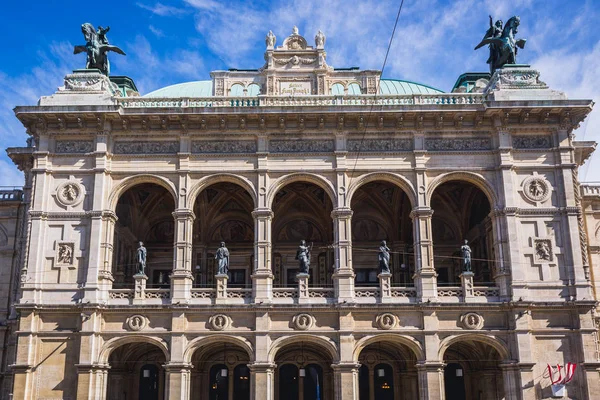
x,y
303,101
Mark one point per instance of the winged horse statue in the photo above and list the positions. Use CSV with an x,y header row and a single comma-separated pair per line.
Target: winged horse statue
x,y
96,46
503,46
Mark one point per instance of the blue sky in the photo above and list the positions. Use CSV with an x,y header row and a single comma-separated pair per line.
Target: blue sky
x,y
173,41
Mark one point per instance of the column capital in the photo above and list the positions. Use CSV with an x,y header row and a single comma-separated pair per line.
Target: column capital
x,y
262,367
92,367
178,366
262,213
421,212
430,366
345,366
342,212
184,213
109,215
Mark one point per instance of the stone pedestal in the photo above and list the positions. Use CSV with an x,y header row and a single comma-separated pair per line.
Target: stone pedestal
x,y
302,280
221,280
426,284
181,286
140,287
262,287
385,287
466,279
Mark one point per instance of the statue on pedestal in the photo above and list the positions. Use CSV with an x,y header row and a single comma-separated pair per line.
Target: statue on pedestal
x,y
502,43
96,46
320,40
222,257
384,258
303,257
141,259
465,251
270,40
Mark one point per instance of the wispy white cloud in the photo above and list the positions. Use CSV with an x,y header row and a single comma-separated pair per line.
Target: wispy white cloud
x,y
157,32
162,9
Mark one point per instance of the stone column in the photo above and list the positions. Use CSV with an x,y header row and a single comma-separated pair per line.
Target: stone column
x,y
510,379
425,276
178,379
466,279
431,380
371,384
91,381
343,278
501,274
182,277
262,276
105,276
345,381
262,381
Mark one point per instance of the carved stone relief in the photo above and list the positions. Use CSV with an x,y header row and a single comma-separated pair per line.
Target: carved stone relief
x,y
463,144
136,322
516,78
220,147
543,250
300,146
471,320
74,146
386,321
64,253
536,188
219,322
531,142
88,82
376,145
146,147
70,193
303,321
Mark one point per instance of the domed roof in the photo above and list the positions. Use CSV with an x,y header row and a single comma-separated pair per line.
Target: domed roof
x,y
395,86
187,89
205,89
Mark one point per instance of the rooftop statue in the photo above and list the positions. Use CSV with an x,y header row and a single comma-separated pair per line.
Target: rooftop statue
x,y
270,40
502,43
96,46
320,40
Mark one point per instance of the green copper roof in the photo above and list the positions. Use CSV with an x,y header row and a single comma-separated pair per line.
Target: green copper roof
x,y
394,86
205,89
188,89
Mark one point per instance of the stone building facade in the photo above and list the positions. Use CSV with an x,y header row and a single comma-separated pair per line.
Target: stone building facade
x,y
299,150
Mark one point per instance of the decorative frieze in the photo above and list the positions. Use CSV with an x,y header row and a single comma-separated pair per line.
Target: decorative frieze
x,y
157,147
379,145
458,144
532,142
300,146
223,147
74,146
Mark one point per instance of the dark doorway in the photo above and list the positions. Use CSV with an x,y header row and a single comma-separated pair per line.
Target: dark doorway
x,y
219,382
241,383
454,382
149,382
363,382
384,382
288,382
313,382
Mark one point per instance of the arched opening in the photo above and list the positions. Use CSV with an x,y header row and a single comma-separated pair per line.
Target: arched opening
x,y
136,372
337,89
381,211
387,372
472,372
302,211
461,212
220,373
253,90
236,90
145,213
354,89
303,372
223,214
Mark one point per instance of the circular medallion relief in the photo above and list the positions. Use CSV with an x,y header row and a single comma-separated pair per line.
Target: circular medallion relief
x,y
136,322
472,320
536,188
219,322
70,193
386,321
303,321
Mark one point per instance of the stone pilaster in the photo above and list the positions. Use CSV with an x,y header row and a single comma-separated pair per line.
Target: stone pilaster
x,y
466,280
425,276
221,280
385,287
262,276
177,381
510,378
501,274
92,381
139,288
343,278
345,381
105,276
262,381
431,380
182,277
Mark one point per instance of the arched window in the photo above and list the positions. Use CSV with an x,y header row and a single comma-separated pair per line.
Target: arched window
x,y
236,90
354,88
253,90
337,89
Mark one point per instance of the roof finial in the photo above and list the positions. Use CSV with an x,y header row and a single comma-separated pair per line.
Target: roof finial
x,y
295,30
